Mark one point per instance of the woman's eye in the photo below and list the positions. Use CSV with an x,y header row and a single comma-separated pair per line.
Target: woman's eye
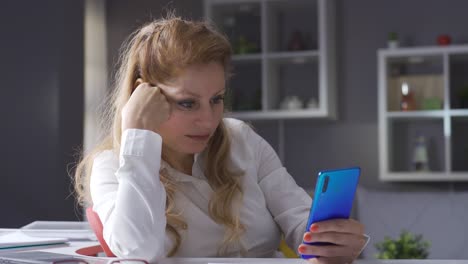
x,y
217,99
187,104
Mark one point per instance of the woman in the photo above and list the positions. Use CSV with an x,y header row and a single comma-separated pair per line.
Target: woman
x,y
175,178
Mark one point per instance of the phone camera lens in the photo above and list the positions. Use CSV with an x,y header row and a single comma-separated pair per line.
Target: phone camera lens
x,y
325,184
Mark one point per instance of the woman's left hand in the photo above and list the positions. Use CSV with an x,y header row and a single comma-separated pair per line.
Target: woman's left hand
x,y
348,238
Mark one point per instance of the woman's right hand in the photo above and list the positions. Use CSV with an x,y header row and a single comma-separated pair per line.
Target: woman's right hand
x,y
146,109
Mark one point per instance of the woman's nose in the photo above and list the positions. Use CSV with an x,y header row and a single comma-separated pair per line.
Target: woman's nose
x,y
206,116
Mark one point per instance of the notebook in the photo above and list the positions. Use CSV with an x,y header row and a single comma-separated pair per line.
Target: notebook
x,y
18,239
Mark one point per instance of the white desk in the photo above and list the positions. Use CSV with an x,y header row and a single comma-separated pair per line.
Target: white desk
x,y
297,261
76,245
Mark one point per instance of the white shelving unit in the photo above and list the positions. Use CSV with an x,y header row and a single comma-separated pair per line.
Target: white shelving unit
x,y
265,76
268,73
438,75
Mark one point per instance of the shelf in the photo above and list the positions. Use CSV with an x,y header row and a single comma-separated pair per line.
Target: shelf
x,y
278,114
416,114
459,112
283,49
224,2
247,57
293,56
402,140
423,78
425,176
429,50
289,80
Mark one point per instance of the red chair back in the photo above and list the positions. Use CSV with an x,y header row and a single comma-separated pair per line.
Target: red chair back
x,y
96,225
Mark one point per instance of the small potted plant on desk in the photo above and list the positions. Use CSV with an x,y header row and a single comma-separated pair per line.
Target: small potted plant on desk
x,y
407,246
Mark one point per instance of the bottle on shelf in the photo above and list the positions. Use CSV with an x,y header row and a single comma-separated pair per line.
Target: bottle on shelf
x,y
407,102
296,42
420,155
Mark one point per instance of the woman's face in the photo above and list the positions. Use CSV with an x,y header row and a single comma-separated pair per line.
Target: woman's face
x,y
197,107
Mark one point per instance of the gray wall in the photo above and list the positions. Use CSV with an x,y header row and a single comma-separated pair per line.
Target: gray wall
x,y
41,72
123,19
362,28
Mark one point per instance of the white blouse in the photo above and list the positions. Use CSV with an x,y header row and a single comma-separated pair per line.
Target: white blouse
x,y
130,199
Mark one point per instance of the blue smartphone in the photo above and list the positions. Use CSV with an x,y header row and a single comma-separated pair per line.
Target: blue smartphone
x,y
333,198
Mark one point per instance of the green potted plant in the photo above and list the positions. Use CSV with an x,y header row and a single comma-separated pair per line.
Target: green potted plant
x,y
393,40
407,246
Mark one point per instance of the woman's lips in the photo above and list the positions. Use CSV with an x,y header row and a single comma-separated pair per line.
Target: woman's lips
x,y
199,137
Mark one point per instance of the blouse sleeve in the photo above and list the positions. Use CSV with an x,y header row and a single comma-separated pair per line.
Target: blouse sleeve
x,y
129,197
288,203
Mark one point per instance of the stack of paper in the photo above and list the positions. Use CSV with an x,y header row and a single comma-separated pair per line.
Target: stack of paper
x,y
73,230
15,240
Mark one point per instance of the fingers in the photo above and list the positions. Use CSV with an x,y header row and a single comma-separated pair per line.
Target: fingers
x,y
140,84
341,239
148,91
147,108
338,225
328,251
345,235
165,94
